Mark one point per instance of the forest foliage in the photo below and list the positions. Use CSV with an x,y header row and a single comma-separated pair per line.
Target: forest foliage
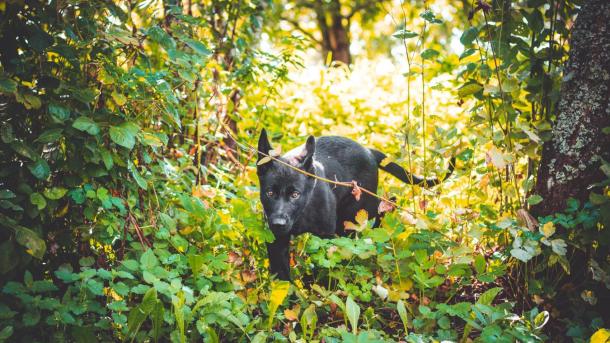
x,y
129,200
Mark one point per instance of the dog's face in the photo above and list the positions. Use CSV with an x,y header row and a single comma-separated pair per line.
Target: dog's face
x,y
285,192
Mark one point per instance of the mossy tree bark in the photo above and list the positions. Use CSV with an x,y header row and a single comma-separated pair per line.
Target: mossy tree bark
x,y
571,159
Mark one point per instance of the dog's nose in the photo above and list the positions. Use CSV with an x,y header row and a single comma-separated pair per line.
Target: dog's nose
x,y
278,222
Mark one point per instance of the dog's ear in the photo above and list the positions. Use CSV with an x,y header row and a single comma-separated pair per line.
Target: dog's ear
x,y
310,149
263,145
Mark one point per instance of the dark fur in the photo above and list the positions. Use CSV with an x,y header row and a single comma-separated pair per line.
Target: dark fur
x,y
320,208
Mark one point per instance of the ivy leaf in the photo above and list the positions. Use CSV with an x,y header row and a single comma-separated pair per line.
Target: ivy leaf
x,y
86,124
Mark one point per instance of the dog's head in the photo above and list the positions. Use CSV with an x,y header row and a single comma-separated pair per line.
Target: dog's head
x,y
285,192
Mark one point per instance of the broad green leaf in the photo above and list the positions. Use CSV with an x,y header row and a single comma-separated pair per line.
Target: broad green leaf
x,y
469,35
198,47
404,34
7,85
148,260
6,133
534,199
86,124
468,89
136,175
353,313
38,200
123,136
429,16
119,98
34,245
40,169
55,193
429,54
488,296
24,150
107,158
49,136
59,113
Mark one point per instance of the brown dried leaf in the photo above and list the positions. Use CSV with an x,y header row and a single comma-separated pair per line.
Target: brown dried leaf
x,y
526,219
385,206
356,191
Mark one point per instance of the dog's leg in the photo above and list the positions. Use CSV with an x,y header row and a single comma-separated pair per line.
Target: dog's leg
x,y
279,257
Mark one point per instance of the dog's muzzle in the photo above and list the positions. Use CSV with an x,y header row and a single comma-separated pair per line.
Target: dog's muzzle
x,y
279,225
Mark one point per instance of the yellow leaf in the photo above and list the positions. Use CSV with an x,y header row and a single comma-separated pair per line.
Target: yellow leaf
x,y
119,98
600,336
264,160
279,291
187,230
496,158
548,229
362,217
292,314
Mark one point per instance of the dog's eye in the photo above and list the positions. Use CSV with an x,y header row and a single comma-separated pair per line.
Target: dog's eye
x,y
270,193
295,194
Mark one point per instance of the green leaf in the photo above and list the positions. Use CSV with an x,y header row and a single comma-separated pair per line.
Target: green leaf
x,y
467,53
7,194
123,136
469,35
86,124
59,113
30,240
404,34
6,333
509,85
107,158
429,16
429,54
119,98
38,200
24,150
40,169
148,260
353,313
49,136
402,312
7,85
157,320
138,315
199,47
469,89
6,133
55,193
488,296
534,199
136,175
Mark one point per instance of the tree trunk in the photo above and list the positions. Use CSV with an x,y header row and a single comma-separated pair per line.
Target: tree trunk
x,y
335,34
571,159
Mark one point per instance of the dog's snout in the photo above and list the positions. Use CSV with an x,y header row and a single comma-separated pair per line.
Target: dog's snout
x,y
278,222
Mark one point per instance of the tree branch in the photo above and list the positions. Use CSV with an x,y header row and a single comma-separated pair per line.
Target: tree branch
x,y
296,26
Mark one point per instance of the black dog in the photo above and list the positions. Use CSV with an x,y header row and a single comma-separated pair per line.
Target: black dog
x,y
295,203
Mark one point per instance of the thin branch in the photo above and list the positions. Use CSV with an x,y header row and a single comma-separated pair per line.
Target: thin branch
x,y
296,26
